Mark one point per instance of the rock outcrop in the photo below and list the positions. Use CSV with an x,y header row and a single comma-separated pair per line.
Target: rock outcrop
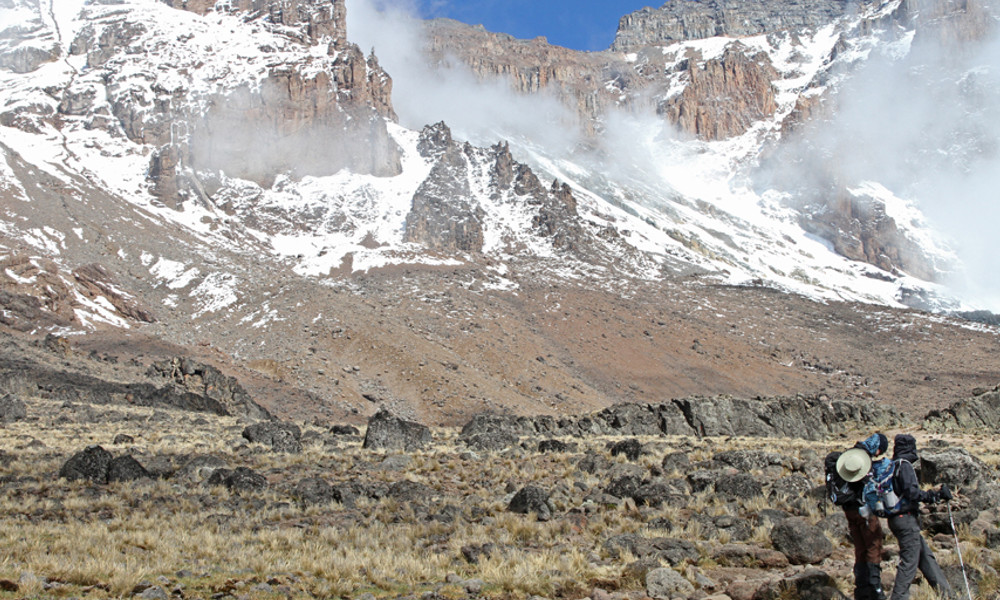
x,y
800,417
683,20
724,96
979,412
388,432
446,215
215,391
310,115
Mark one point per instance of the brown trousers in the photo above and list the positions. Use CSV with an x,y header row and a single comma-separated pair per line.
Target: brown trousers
x,y
867,536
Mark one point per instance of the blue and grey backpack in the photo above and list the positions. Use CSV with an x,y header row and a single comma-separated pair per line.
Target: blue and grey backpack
x,y
879,494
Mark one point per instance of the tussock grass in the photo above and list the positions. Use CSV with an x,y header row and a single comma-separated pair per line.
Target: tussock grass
x,y
112,539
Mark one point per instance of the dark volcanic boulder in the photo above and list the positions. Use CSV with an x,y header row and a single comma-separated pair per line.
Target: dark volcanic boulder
x,y
242,479
630,448
593,463
531,499
313,490
738,487
656,493
795,485
492,432
410,491
90,464
492,441
802,543
389,432
12,409
624,486
280,437
749,460
553,446
811,584
126,468
676,461
198,468
345,430
953,466
673,551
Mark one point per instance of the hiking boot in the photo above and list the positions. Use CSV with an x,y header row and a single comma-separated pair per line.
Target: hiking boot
x,y
875,581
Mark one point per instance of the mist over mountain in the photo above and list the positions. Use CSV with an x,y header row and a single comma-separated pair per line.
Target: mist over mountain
x,y
353,207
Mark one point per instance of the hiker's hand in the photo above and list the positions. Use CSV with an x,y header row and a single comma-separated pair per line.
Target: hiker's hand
x,y
944,493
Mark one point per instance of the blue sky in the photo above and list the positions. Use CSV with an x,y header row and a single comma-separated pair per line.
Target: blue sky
x,y
577,24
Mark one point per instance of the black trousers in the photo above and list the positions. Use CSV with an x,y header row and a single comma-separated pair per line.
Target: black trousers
x,y
914,553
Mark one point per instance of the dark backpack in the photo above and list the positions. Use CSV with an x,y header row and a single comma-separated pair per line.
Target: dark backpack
x,y
839,491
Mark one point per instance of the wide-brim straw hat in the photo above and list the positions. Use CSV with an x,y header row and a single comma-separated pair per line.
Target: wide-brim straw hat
x,y
853,465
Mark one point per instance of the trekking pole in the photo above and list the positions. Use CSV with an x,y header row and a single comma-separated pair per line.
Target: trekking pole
x,y
959,548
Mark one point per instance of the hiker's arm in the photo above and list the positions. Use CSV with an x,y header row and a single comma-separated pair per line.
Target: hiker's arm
x,y
909,487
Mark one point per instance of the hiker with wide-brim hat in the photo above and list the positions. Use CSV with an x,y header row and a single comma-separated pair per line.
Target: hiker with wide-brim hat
x,y
854,466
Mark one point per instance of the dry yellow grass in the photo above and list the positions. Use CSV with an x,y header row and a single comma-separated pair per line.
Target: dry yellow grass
x,y
109,540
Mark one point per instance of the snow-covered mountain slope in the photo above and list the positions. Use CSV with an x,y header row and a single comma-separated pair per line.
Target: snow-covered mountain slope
x,y
235,176
151,105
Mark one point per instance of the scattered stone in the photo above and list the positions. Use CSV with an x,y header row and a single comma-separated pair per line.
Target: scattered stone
x,y
490,432
12,409
952,466
676,462
280,437
795,485
656,493
749,460
746,555
410,491
554,446
673,551
388,432
630,448
802,543
808,585
531,499
153,593
665,583
313,490
90,464
624,486
126,468
474,586
242,479
345,430
702,479
593,463
199,468
738,487
639,570
472,553
123,438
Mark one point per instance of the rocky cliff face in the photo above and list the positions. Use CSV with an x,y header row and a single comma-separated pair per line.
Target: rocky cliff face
x,y
724,96
682,20
448,216
304,113
721,98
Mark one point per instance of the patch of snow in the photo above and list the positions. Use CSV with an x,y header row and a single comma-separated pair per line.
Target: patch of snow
x,y
175,274
214,293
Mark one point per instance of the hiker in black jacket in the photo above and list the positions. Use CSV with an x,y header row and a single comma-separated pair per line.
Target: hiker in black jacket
x,y
866,531
914,552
